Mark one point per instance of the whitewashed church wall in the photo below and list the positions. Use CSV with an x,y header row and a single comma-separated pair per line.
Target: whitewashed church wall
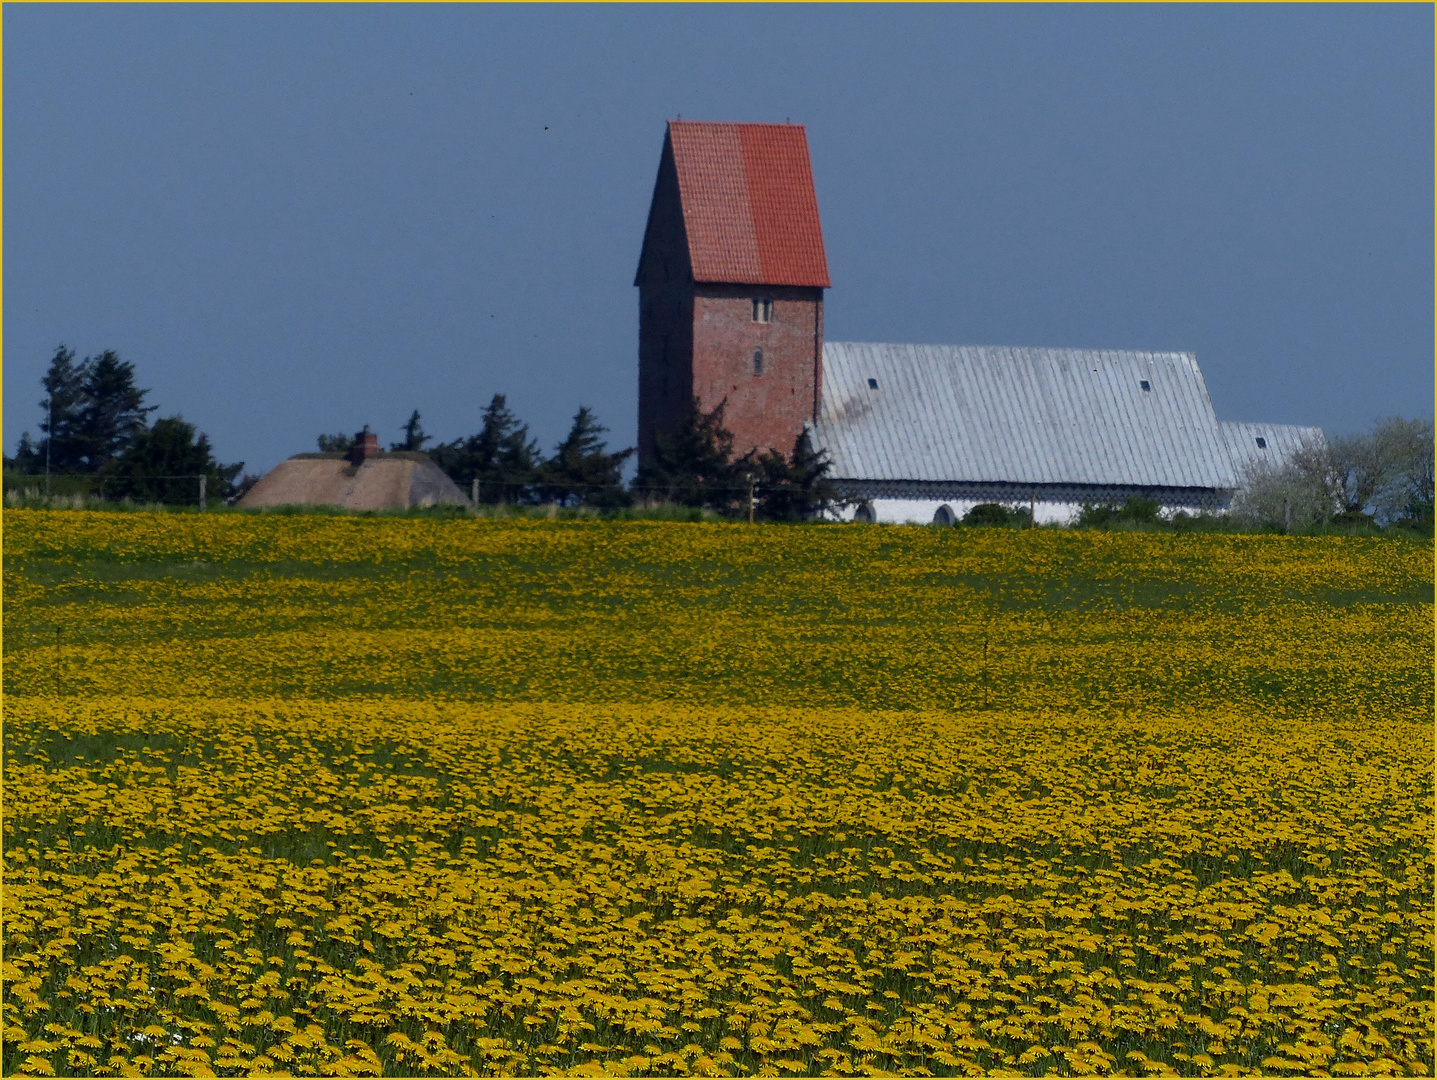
x,y
928,511
924,511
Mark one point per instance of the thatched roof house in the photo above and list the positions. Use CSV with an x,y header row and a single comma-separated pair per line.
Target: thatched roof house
x,y
364,478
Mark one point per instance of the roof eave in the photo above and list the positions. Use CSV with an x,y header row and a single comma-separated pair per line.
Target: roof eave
x,y
824,284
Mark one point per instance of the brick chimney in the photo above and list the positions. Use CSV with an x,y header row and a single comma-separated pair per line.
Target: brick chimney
x,y
364,447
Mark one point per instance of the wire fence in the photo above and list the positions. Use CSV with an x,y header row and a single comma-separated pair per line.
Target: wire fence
x,y
101,485
535,492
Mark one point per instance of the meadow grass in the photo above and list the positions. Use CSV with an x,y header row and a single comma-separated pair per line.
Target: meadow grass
x,y
427,796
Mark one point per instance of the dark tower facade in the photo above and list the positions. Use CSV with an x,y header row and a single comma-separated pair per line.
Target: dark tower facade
x,y
731,281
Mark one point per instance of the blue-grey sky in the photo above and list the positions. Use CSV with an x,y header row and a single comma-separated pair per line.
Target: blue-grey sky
x,y
301,219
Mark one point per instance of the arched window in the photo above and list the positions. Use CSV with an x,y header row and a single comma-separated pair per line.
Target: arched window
x,y
864,515
758,361
944,515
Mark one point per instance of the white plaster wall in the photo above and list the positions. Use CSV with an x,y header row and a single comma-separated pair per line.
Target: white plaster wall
x,y
921,511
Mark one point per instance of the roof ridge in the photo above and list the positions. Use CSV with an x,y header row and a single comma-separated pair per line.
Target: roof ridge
x,y
1035,348
739,123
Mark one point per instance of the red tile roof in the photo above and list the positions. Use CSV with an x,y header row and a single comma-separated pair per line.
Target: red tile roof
x,y
750,211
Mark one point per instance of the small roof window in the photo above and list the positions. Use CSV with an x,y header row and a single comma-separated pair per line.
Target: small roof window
x,y
1146,385
873,384
1261,443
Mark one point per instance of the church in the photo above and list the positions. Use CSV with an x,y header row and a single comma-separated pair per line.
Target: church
x,y
731,283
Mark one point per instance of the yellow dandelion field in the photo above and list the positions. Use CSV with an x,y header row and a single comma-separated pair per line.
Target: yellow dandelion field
x,y
345,796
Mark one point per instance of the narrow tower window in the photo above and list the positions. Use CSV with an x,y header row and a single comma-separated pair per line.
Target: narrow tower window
x,y
762,309
758,361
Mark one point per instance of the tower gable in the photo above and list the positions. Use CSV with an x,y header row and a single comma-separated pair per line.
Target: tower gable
x,y
665,253
746,202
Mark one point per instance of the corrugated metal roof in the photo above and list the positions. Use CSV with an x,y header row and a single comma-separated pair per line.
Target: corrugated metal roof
x,y
1282,441
750,212
1020,415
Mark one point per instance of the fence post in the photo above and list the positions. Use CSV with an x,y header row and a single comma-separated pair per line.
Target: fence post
x,y
204,480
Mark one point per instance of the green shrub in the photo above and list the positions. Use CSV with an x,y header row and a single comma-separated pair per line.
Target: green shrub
x,y
1131,512
996,514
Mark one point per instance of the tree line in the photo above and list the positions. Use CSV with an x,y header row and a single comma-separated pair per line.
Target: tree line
x,y
95,429
693,466
95,426
1383,475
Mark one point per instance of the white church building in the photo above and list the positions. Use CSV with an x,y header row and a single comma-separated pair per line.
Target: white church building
x,y
922,433
731,281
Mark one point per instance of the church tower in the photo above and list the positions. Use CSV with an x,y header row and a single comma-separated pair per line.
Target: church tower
x,y
731,281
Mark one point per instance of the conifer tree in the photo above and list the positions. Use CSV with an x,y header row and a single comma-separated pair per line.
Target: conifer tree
x,y
414,436
582,471
112,411
94,420
693,465
61,411
29,457
796,487
501,456
163,464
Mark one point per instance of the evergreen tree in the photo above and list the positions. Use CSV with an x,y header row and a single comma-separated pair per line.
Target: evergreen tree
x,y
29,457
504,447
793,488
414,437
163,463
693,464
582,472
112,411
61,412
502,456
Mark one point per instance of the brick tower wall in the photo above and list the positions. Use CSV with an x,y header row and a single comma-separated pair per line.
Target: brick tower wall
x,y
764,410
666,345
666,313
